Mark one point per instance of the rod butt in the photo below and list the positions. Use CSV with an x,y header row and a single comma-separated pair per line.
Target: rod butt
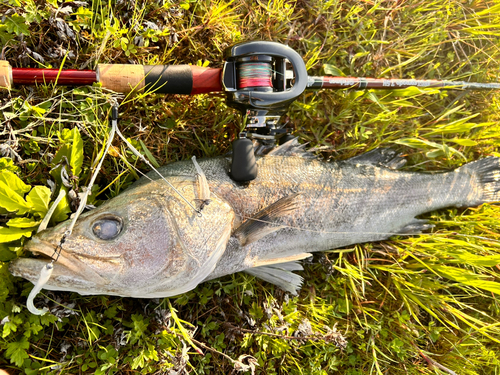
x,y
5,75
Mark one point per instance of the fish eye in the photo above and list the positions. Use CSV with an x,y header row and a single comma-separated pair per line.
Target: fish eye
x,y
107,229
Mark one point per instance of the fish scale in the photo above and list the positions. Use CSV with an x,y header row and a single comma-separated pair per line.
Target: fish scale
x,y
351,204
297,205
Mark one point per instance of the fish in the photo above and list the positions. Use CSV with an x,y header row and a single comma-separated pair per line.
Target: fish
x,y
159,239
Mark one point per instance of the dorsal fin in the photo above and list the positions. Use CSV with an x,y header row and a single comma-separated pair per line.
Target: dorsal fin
x,y
379,157
292,148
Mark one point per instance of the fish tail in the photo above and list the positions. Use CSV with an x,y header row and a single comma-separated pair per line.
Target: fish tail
x,y
487,176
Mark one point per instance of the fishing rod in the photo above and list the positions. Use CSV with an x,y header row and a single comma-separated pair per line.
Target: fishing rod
x,y
191,80
260,79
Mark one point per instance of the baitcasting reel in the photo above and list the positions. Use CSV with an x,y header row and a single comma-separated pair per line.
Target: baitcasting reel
x,y
257,83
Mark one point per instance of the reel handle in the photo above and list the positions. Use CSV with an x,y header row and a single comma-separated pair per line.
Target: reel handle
x,y
243,164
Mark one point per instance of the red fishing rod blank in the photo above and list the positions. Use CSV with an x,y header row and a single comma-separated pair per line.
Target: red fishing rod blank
x,y
67,77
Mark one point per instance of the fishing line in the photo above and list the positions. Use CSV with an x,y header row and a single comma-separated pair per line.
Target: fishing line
x,y
46,271
324,232
83,199
201,176
140,156
374,233
254,74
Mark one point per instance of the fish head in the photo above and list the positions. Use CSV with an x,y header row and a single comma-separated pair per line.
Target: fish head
x,y
147,242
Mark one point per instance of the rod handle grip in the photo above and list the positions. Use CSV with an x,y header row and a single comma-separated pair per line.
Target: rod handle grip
x,y
161,79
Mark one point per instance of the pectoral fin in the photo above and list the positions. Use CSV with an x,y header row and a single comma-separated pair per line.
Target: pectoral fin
x,y
266,221
203,189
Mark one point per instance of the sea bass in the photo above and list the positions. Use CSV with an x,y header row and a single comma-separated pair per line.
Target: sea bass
x,y
150,242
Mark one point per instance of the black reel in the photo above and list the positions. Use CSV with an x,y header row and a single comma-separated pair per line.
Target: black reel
x,y
258,83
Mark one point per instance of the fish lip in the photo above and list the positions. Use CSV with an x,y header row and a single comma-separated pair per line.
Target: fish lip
x,y
36,246
61,278
63,258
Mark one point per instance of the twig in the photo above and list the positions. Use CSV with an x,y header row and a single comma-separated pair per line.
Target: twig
x,y
268,333
434,363
210,349
332,336
237,363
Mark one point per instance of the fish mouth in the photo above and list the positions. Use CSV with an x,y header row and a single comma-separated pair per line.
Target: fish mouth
x,y
40,248
46,250
69,273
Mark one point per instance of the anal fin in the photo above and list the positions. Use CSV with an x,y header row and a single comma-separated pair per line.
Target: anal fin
x,y
415,227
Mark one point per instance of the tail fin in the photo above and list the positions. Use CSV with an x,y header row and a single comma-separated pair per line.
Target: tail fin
x,y
487,173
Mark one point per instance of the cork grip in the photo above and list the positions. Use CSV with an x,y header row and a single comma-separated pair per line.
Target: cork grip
x,y
121,77
5,75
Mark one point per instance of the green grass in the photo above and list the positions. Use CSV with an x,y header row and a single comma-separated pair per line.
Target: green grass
x,y
416,305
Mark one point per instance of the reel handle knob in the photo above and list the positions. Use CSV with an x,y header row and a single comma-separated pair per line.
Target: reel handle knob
x,y
243,164
285,139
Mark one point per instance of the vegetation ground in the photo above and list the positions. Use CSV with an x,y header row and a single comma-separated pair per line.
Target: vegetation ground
x,y
413,305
